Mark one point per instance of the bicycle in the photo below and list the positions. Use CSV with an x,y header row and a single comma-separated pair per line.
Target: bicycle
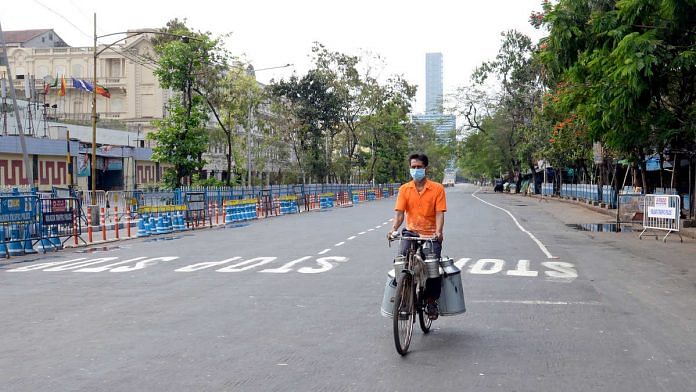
x,y
409,299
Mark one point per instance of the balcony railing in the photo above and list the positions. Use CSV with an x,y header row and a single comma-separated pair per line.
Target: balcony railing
x,y
108,82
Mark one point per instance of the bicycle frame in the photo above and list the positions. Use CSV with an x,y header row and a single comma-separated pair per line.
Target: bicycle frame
x,y
413,275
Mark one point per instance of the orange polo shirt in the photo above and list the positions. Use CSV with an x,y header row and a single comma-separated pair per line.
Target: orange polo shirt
x,y
420,208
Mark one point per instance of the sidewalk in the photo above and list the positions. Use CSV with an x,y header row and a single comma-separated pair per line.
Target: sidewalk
x,y
581,212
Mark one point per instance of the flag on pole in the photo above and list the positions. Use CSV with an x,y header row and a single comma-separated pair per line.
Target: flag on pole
x,y
61,92
103,91
81,85
55,82
87,85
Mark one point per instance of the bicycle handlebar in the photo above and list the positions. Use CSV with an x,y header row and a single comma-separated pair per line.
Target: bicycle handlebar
x,y
400,237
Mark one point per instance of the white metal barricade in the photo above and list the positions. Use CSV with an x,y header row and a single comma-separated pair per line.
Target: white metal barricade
x,y
662,212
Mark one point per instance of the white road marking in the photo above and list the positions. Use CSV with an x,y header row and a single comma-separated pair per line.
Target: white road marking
x,y
523,270
324,251
377,227
370,229
80,264
530,302
200,266
539,244
361,233
324,262
461,262
142,264
286,267
339,244
561,270
255,262
482,266
385,223
43,265
103,268
351,237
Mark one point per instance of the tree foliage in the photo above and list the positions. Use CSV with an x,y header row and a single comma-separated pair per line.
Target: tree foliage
x,y
185,59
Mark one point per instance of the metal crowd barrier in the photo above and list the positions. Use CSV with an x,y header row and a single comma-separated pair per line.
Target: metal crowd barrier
x,y
60,217
662,213
19,223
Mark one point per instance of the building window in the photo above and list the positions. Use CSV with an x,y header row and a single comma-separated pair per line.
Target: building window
x,y
50,36
77,71
42,71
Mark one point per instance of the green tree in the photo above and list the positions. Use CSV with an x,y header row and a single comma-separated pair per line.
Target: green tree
x,y
627,69
316,105
181,137
507,116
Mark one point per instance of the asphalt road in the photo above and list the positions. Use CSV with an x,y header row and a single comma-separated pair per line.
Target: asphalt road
x,y
293,303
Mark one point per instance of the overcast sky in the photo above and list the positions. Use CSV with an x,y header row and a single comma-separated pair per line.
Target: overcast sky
x,y
275,32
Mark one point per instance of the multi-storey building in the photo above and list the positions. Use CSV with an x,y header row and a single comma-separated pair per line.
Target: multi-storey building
x,y
40,58
433,83
126,70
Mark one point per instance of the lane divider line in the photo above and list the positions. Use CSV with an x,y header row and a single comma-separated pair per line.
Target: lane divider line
x,y
351,237
361,233
339,244
539,244
324,251
529,302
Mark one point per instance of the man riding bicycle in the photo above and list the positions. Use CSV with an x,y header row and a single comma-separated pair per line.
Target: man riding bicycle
x,y
424,204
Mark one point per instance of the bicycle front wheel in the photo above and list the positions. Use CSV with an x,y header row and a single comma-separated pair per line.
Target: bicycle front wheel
x,y
404,312
423,319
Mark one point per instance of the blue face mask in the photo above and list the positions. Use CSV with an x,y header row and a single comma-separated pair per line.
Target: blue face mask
x,y
418,174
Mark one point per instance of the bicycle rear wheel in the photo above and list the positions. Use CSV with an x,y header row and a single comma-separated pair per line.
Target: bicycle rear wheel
x,y
404,312
423,319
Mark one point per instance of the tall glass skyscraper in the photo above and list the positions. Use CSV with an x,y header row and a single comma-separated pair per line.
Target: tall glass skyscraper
x,y
433,83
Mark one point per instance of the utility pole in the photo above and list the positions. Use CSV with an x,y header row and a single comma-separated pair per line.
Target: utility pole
x,y
25,156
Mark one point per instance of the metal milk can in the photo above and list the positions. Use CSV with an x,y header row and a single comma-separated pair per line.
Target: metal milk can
x,y
389,293
451,300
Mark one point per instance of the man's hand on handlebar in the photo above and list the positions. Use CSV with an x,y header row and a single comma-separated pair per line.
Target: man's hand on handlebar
x,y
392,234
